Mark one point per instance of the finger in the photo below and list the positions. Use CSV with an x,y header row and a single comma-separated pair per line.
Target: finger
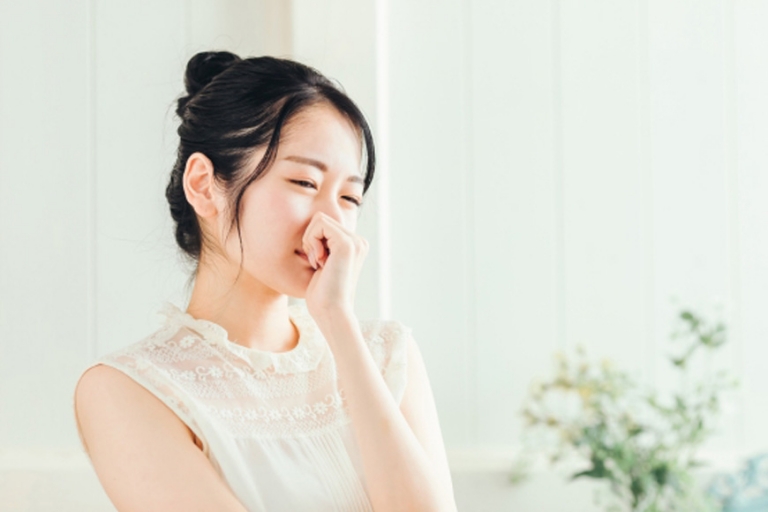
x,y
328,235
307,246
324,232
312,242
316,244
326,252
333,222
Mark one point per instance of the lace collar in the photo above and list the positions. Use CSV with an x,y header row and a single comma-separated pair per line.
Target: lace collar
x,y
304,357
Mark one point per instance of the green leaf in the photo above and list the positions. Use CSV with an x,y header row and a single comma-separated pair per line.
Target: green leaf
x,y
599,472
660,473
598,469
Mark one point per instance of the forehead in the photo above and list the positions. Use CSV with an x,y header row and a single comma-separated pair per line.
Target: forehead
x,y
325,132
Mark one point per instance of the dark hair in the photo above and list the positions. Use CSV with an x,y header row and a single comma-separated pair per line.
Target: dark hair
x,y
233,107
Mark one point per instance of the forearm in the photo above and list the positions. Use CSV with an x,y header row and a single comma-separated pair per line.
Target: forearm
x,y
400,475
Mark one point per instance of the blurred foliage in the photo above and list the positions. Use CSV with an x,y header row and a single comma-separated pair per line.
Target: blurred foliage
x,y
641,445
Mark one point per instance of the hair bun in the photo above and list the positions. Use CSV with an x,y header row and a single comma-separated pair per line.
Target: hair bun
x,y
204,66
201,69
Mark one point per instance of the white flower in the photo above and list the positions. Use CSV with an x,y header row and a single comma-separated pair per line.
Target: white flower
x,y
187,341
647,440
564,405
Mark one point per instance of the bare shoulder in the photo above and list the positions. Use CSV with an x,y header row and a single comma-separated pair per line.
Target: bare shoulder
x,y
144,455
106,395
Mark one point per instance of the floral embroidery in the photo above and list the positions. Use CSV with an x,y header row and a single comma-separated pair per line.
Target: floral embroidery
x,y
202,376
265,422
187,341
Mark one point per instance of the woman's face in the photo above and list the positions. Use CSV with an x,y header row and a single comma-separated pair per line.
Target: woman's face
x,y
319,152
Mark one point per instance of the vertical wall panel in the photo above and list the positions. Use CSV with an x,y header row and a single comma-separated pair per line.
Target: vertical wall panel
x,y
689,174
751,69
514,207
246,27
140,60
604,245
431,275
43,219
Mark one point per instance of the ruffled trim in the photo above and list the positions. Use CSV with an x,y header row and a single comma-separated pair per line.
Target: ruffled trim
x,y
303,357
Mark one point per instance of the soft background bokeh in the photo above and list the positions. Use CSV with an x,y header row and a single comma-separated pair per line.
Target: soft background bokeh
x,y
552,173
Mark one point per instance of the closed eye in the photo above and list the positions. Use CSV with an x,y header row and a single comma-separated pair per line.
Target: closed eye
x,y
302,183
309,184
353,200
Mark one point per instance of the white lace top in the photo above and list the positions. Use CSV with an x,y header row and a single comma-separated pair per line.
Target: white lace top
x,y
275,426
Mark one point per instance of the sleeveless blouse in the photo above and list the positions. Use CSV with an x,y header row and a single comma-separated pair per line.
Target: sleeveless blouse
x,y
274,425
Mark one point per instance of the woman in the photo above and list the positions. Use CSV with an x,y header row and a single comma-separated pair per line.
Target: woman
x,y
245,401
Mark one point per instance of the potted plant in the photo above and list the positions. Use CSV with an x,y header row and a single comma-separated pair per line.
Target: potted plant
x,y
641,445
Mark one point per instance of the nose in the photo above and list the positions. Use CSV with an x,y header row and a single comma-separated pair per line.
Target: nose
x,y
330,206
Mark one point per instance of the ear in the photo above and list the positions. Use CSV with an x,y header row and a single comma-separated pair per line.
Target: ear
x,y
199,185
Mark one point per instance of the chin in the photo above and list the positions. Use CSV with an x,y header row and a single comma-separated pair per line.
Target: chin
x,y
295,287
285,279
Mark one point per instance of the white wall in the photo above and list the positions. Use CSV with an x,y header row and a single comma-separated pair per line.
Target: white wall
x,y
559,172
553,173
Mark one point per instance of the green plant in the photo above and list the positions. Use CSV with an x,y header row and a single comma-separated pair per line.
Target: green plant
x,y
643,446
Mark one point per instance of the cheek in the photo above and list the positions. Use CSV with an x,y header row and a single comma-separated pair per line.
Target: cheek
x,y
353,218
282,210
273,220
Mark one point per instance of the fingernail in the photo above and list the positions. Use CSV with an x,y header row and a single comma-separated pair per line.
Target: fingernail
x,y
313,257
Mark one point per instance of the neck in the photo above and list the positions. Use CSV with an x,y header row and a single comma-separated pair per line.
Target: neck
x,y
254,315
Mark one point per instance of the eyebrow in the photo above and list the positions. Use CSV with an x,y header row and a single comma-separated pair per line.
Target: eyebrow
x,y
321,166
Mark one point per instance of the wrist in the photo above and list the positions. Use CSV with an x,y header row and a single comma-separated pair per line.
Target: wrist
x,y
336,323
332,312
